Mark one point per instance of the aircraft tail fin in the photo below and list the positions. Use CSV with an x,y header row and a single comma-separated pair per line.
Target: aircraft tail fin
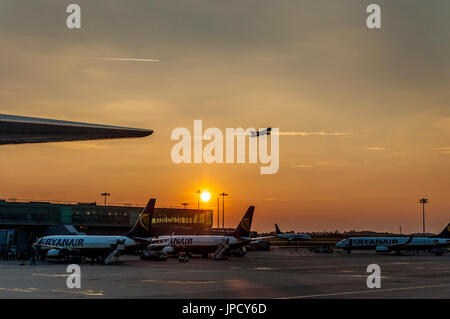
x,y
243,229
445,233
143,225
278,231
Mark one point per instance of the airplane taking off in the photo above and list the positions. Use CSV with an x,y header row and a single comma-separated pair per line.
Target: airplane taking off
x,y
261,133
205,244
100,248
397,244
291,237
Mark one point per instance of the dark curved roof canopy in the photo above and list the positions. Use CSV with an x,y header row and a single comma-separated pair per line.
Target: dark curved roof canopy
x,y
22,129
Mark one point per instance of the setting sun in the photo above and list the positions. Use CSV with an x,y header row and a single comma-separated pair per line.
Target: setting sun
x,y
205,196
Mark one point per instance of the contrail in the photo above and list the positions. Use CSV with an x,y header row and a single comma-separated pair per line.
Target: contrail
x,y
312,133
126,59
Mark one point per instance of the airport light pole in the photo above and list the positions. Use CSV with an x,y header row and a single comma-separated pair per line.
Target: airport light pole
x,y
198,192
105,195
218,212
423,201
223,209
184,204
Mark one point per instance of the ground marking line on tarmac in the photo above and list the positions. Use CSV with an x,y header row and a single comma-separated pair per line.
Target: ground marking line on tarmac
x,y
80,292
19,289
187,282
52,275
363,291
360,276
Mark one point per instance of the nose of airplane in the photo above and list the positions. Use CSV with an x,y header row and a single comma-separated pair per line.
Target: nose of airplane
x,y
341,243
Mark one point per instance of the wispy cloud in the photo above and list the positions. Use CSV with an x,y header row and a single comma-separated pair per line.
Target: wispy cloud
x,y
78,145
325,163
310,165
445,150
375,148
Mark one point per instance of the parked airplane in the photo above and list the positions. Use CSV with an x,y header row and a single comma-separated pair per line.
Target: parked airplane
x,y
99,247
205,244
397,244
291,237
260,133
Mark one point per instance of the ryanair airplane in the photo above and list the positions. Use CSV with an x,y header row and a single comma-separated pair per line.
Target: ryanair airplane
x,y
99,247
397,244
205,244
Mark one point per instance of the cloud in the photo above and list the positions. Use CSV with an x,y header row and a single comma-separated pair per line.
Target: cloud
x,y
325,163
445,150
320,163
376,148
78,145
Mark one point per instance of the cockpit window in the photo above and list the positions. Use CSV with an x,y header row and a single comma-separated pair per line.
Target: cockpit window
x,y
343,243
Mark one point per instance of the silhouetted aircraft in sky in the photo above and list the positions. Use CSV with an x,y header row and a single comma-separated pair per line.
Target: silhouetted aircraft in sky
x,y
263,132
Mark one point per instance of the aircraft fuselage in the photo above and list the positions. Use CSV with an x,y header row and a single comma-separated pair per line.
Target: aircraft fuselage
x,y
376,243
91,246
196,244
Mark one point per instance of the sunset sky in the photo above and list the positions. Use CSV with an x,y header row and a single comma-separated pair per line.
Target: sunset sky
x,y
368,110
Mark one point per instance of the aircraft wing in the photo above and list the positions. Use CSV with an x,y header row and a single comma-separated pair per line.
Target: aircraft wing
x,y
158,245
262,238
22,129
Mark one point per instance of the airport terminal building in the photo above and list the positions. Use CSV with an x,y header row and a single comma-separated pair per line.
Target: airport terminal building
x,y
92,219
24,221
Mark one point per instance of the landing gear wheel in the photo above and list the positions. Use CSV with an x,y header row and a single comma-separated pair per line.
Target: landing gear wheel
x,y
183,258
